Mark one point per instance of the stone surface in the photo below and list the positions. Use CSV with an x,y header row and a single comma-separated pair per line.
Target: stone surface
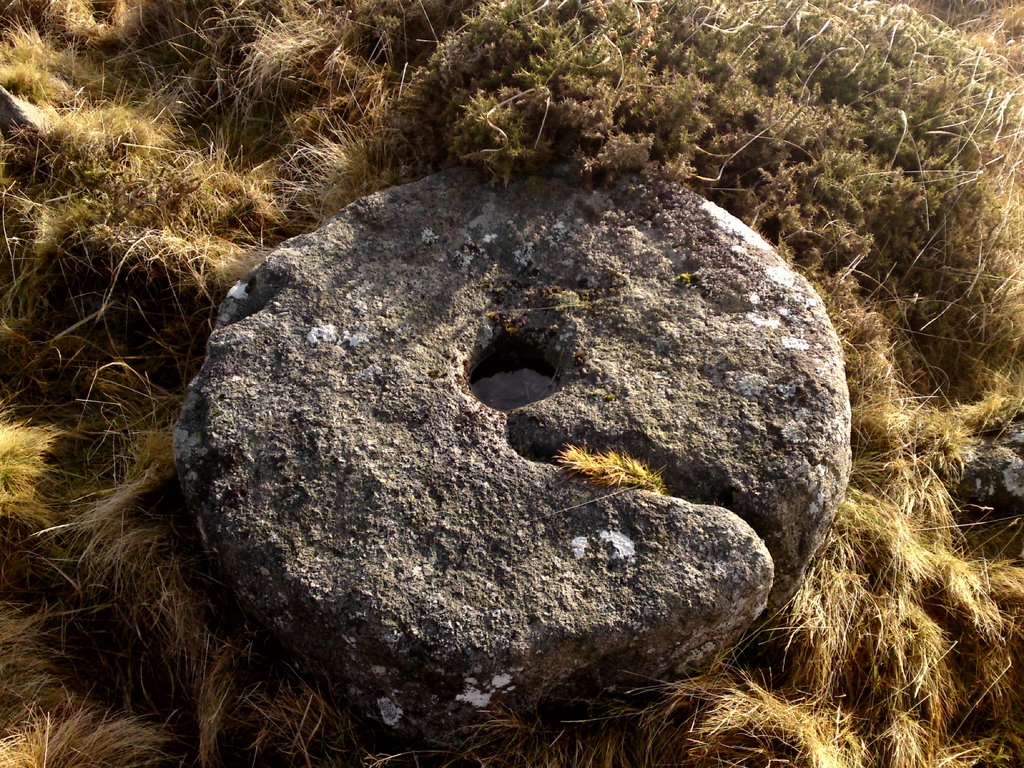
x,y
418,547
18,114
994,473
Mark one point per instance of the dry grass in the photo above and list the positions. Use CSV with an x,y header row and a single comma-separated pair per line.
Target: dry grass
x,y
610,468
880,149
23,452
82,739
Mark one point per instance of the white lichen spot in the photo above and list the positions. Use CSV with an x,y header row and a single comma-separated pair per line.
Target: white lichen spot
x,y
817,480
369,374
427,237
390,712
762,321
794,433
186,442
730,224
754,299
239,290
524,255
490,238
751,384
354,337
781,275
579,546
473,695
558,228
501,680
811,301
787,390
622,547
695,657
1013,477
792,342
322,334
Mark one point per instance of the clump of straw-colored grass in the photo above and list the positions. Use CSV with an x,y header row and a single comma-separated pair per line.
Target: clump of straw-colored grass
x,y
610,468
23,462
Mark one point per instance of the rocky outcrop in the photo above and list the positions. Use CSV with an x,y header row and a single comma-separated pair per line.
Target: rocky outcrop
x,y
415,543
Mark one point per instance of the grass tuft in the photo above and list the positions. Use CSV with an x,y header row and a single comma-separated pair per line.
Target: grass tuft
x,y
610,468
84,739
23,455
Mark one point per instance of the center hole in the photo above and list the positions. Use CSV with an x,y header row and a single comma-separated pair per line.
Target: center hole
x,y
511,377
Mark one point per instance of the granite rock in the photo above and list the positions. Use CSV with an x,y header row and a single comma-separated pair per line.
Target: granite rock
x,y
420,548
18,114
994,473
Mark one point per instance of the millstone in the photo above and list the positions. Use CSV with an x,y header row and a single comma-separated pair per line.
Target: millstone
x,y
368,448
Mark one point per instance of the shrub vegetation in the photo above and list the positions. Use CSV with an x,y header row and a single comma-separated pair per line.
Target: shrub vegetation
x,y
878,144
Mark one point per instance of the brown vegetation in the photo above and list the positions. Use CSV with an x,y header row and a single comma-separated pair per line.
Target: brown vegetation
x,y
879,147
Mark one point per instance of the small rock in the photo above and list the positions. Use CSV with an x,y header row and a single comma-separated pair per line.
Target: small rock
x,y
18,114
994,474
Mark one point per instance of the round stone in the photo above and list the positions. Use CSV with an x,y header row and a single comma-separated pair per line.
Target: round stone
x,y
368,449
